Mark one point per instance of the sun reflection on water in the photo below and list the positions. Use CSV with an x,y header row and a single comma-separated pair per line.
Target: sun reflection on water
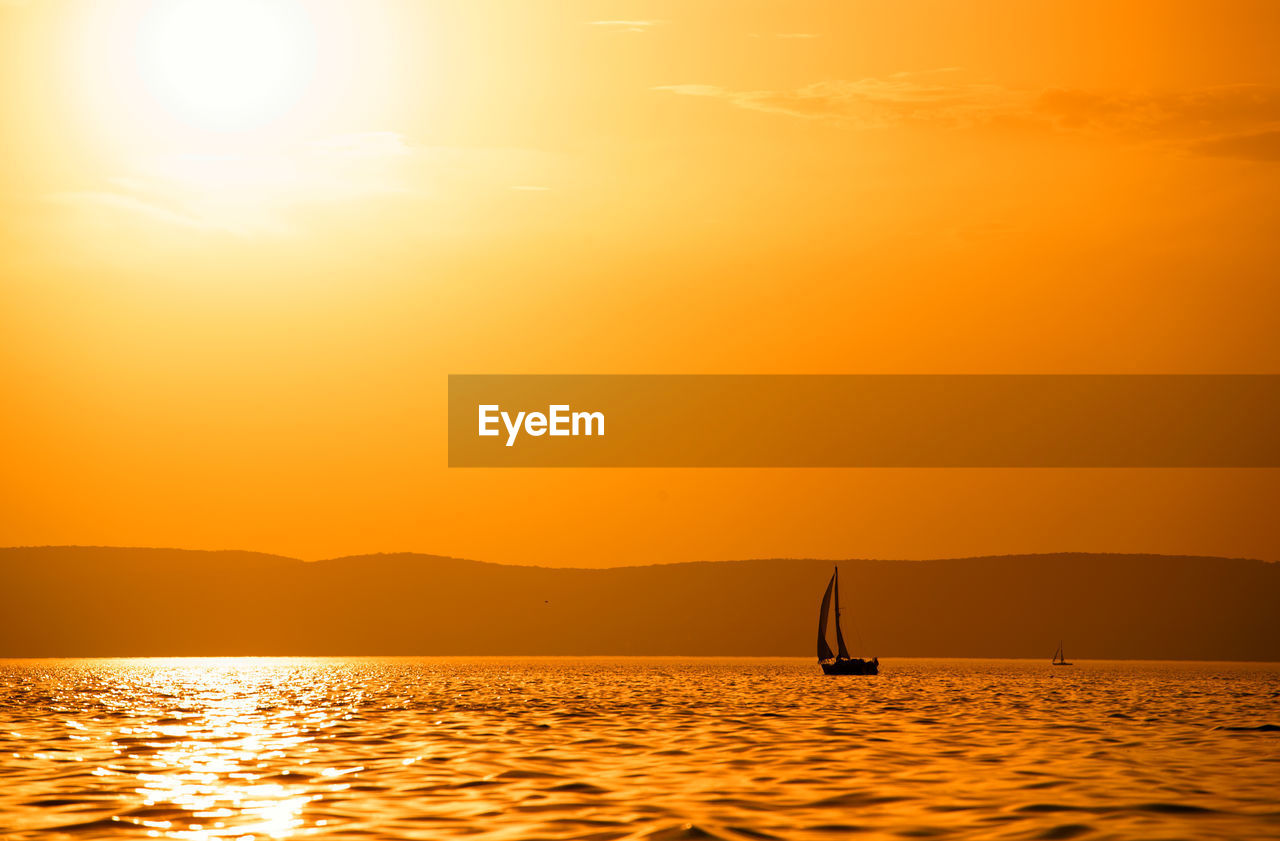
x,y
211,757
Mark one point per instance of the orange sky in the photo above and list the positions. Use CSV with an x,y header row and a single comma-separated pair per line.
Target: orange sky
x,y
230,331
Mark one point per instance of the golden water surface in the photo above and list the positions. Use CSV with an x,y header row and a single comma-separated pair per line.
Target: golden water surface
x,y
558,748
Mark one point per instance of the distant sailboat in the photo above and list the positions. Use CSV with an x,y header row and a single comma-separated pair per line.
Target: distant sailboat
x,y
1060,659
839,663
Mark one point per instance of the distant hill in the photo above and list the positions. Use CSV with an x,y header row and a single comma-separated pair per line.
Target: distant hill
x,y
90,601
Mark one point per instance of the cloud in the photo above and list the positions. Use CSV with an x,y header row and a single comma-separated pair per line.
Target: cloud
x,y
872,102
1234,121
626,25
363,144
1259,146
266,193
1193,112
129,205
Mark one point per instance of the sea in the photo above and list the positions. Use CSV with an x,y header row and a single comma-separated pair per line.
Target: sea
x,y
636,748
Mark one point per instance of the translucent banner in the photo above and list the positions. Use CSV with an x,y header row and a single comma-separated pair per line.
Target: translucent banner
x,y
864,421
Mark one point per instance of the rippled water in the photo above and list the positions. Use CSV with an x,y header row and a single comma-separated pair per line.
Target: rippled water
x,y
667,749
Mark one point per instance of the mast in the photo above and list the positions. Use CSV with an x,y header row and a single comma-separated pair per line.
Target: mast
x,y
844,651
824,650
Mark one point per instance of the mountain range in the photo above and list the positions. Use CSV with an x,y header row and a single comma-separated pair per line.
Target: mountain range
x,y
99,601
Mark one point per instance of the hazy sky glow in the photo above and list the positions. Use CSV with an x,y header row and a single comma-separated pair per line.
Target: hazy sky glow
x,y
233,288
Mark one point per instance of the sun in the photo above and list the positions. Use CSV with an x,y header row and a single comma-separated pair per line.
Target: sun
x,y
226,65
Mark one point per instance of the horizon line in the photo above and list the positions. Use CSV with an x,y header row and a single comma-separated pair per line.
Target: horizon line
x,y
803,658
644,565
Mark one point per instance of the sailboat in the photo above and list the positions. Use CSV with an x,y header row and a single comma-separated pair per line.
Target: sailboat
x,y
1060,659
839,662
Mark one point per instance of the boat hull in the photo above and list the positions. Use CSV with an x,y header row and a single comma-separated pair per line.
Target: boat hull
x,y
851,667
